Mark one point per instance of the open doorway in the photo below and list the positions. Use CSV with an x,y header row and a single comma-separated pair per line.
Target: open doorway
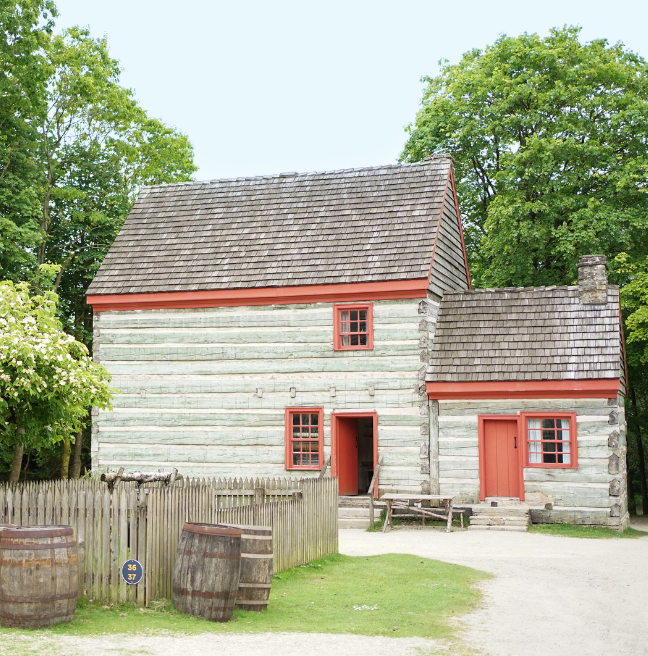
x,y
355,451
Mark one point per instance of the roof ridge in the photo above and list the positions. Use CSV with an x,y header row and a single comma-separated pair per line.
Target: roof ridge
x,y
291,174
483,290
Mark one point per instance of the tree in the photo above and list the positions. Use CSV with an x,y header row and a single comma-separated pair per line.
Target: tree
x,y
634,302
550,141
47,379
550,138
98,148
25,32
86,149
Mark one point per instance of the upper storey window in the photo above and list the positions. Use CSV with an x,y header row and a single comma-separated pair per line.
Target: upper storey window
x,y
353,327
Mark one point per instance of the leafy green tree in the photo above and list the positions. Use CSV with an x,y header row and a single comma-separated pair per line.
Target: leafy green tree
x,y
634,302
98,149
47,379
72,171
550,138
25,32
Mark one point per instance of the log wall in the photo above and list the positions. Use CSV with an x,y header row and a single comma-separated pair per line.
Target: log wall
x,y
204,390
594,493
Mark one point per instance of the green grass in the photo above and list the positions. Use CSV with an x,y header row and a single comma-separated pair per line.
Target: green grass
x,y
391,595
576,531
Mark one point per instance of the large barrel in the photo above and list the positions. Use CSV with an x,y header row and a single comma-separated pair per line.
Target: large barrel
x,y
206,570
39,576
256,567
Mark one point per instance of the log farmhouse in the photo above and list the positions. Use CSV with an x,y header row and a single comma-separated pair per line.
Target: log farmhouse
x,y
262,326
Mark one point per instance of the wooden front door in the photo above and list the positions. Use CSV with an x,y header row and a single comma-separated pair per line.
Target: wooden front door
x,y
347,454
502,460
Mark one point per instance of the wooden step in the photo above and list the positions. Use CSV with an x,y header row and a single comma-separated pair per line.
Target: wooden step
x,y
500,511
518,529
498,521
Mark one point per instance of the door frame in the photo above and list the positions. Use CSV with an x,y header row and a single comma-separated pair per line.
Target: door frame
x,y
481,434
334,438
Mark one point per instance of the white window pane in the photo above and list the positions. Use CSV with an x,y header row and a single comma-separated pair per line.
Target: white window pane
x,y
566,459
344,316
345,340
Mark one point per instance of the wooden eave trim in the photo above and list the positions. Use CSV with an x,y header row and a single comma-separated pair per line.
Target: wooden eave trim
x,y
438,228
537,389
338,293
463,244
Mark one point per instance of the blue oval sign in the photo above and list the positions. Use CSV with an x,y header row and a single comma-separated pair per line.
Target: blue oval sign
x,y
132,572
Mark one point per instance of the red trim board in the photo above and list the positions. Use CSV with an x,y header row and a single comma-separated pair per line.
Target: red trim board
x,y
537,389
363,291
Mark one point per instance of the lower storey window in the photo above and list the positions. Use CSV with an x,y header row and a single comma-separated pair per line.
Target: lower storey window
x,y
550,440
304,438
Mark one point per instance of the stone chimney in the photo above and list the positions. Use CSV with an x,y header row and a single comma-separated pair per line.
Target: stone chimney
x,y
592,279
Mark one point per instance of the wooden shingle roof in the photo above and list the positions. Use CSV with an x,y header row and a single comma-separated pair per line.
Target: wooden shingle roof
x,y
515,334
358,225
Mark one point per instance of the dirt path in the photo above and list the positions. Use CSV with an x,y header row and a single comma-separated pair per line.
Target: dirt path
x,y
257,644
551,596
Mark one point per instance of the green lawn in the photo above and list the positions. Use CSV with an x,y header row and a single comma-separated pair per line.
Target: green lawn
x,y
392,595
576,531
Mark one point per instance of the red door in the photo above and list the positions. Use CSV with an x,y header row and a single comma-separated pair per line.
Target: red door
x,y
502,460
347,453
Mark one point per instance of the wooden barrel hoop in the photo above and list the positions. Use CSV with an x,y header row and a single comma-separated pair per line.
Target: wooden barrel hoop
x,y
206,570
39,575
256,567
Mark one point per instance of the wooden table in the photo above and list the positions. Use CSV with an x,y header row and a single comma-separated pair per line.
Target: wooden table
x,y
407,500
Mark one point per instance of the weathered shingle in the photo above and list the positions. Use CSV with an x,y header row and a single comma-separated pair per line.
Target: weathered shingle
x,y
359,225
540,333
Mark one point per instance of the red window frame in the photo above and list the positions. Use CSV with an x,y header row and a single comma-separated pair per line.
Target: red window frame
x,y
573,442
337,323
290,412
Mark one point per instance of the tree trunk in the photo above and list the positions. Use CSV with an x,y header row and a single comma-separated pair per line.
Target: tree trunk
x,y
26,467
65,462
76,462
642,473
640,456
19,447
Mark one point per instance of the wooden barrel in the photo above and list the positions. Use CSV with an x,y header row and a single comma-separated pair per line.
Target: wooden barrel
x,y
256,567
39,576
206,570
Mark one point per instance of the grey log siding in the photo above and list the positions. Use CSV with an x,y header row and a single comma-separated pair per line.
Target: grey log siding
x,y
448,267
582,490
204,390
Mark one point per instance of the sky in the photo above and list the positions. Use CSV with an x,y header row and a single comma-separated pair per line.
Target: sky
x,y
275,86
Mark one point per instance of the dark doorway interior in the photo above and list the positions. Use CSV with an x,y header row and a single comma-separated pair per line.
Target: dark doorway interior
x,y
365,453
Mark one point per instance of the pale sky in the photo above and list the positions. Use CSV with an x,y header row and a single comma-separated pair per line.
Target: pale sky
x,y
268,87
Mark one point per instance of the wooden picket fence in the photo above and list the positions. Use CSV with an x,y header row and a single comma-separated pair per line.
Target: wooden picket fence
x,y
145,523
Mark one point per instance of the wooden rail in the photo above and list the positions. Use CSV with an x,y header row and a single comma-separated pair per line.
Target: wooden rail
x,y
145,524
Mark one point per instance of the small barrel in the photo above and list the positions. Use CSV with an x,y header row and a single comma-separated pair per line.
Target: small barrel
x,y
39,576
256,567
206,571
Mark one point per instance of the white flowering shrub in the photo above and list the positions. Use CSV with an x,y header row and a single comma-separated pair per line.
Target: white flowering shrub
x,y
47,379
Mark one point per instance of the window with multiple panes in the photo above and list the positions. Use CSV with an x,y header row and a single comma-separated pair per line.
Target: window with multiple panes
x,y
304,433
551,439
353,326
